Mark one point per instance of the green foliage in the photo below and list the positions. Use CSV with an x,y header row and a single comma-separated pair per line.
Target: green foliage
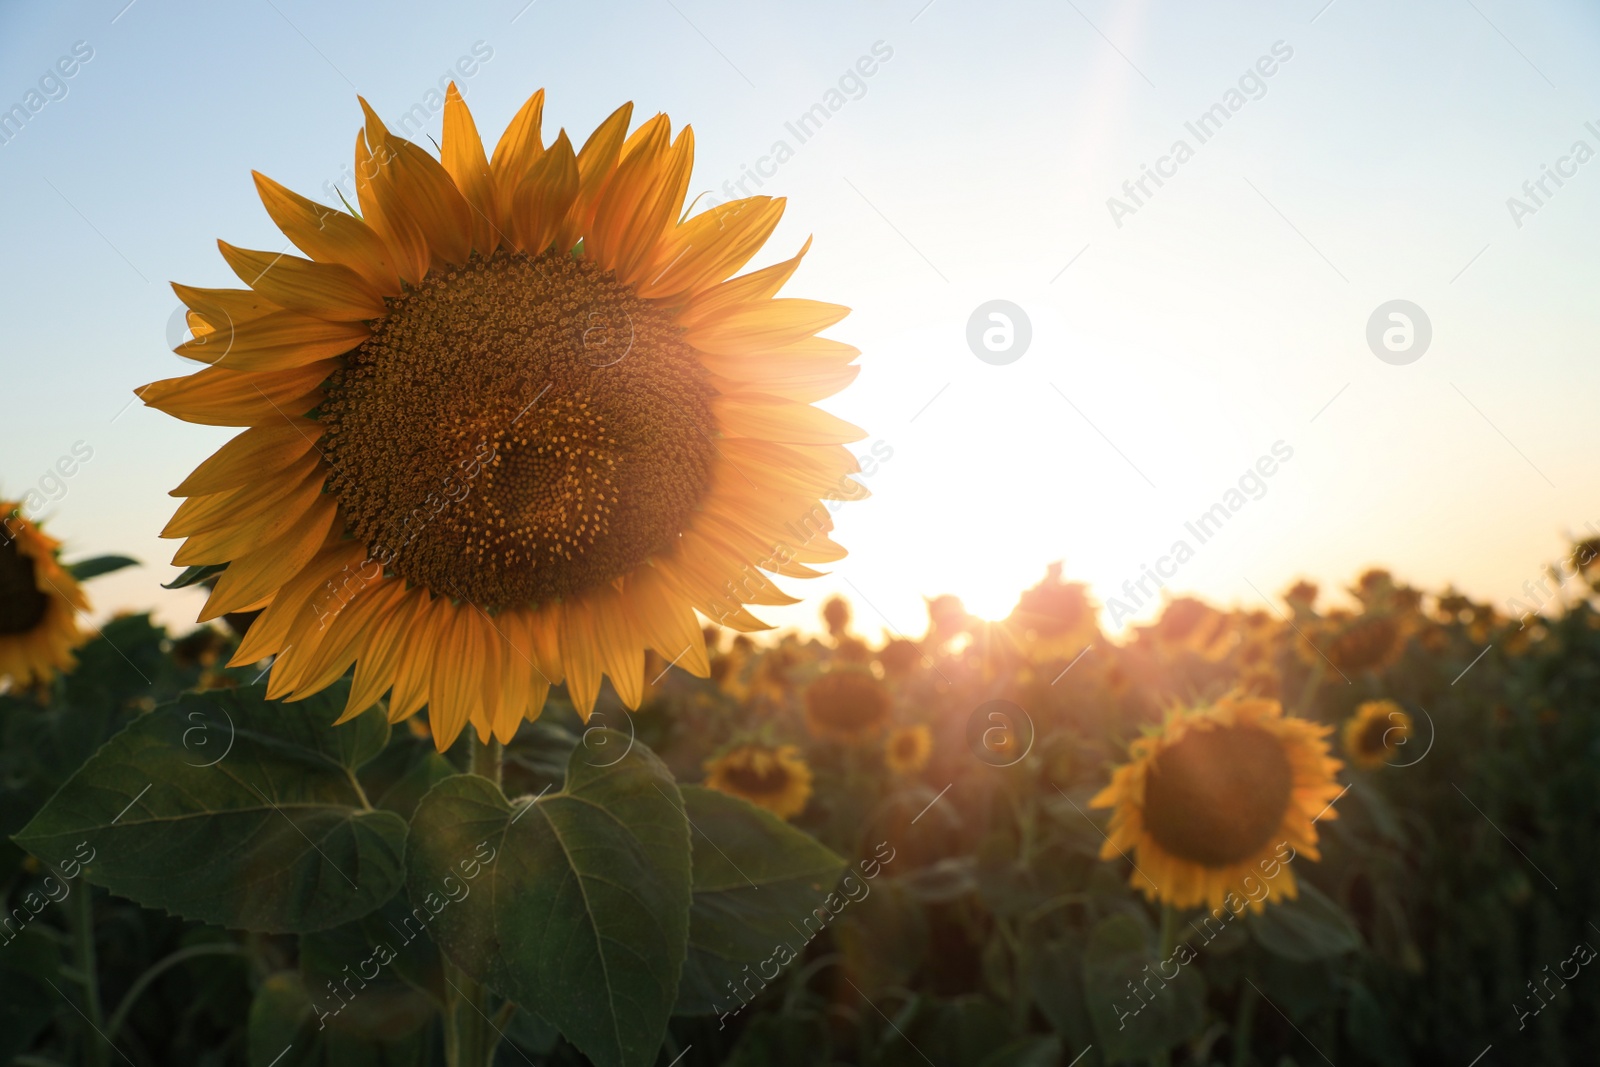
x,y
755,877
575,905
276,835
85,569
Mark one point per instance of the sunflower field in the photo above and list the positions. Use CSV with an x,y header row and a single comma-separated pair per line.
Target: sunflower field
x,y
1353,835
480,751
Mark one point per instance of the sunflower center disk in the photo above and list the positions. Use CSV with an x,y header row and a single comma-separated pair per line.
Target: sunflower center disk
x,y
1375,736
517,430
1217,797
22,606
758,779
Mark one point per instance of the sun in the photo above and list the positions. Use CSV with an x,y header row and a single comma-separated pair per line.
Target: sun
x,y
512,425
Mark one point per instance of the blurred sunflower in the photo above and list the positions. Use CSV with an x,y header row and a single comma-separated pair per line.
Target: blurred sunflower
x,y
1190,625
514,424
1053,619
847,705
1213,795
1371,641
773,778
39,602
907,748
899,658
1375,733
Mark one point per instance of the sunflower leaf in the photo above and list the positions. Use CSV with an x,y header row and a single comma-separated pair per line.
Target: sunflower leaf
x,y
575,905
755,876
228,808
85,569
1140,1004
195,575
1309,927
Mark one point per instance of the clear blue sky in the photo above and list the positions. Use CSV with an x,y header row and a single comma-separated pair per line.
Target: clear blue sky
x,y
1227,312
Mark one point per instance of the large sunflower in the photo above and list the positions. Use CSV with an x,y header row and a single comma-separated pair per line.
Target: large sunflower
x,y
39,603
1211,799
510,426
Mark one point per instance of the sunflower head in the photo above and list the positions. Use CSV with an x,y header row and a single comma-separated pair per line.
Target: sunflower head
x,y
1053,618
1190,625
39,603
847,705
907,748
777,779
899,657
836,615
1221,794
510,427
1371,641
1374,734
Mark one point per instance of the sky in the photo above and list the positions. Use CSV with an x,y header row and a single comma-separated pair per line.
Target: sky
x,y
1184,338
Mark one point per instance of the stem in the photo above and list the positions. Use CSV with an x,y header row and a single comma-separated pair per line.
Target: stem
x,y
155,971
487,759
1309,694
97,1053
470,1036
1169,941
1242,1025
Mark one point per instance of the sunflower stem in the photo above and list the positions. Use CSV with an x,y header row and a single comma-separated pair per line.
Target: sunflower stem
x,y
1242,1025
470,1033
1169,942
81,918
1309,694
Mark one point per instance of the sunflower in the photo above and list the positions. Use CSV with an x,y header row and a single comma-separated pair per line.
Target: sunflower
x,y
1190,625
510,426
1215,796
1371,641
773,778
847,705
907,748
1053,619
1375,733
39,603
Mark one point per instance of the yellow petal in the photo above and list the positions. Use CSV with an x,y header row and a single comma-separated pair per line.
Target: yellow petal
x,y
542,201
217,396
753,415
325,290
461,152
710,247
256,453
329,235
519,149
757,287
415,183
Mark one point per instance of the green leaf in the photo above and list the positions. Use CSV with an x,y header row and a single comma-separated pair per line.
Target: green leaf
x,y
781,1041
1054,978
400,776
365,974
85,569
1165,1003
260,828
285,1031
755,877
1310,927
1027,1052
195,575
575,905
